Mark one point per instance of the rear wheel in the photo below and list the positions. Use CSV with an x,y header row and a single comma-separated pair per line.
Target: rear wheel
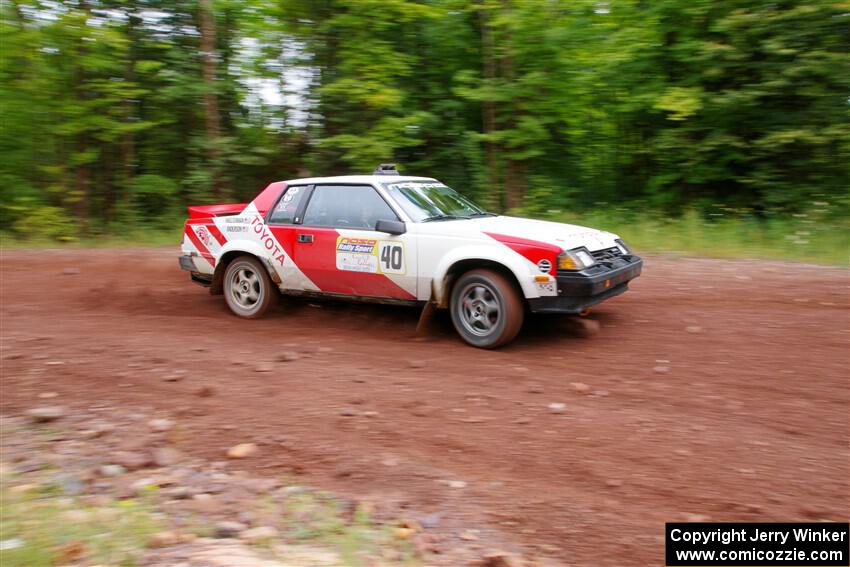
x,y
248,289
486,308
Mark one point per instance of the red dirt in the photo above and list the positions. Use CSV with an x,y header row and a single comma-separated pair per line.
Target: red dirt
x,y
745,419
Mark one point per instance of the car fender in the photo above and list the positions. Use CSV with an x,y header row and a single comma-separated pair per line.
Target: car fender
x,y
244,246
522,269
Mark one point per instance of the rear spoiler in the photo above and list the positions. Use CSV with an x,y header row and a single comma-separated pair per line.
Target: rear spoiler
x,y
208,211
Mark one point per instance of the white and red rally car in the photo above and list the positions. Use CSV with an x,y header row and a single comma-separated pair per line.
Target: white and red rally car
x,y
401,239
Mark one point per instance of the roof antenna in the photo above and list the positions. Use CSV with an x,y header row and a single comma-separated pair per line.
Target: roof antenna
x,y
385,169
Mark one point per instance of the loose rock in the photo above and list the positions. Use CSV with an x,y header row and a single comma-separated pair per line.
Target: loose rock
x,y
242,450
229,528
12,543
141,485
580,387
258,534
205,392
166,456
288,356
46,414
112,470
496,559
160,425
133,460
164,539
174,376
557,407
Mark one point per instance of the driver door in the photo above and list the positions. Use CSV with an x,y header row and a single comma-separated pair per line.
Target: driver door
x,y
337,247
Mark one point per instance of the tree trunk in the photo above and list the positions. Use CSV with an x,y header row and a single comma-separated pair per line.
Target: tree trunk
x,y
81,143
128,140
210,72
515,184
488,60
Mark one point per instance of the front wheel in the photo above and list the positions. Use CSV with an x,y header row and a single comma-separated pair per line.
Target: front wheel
x,y
248,289
486,308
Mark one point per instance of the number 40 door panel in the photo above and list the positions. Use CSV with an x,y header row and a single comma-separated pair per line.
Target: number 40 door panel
x,y
358,262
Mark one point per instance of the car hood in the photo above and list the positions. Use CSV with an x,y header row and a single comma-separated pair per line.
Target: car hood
x,y
566,236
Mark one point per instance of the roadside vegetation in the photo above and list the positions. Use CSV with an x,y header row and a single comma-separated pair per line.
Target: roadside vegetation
x,y
820,236
817,236
74,512
42,527
686,125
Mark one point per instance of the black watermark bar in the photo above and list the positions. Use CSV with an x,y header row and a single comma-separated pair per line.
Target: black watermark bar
x,y
748,544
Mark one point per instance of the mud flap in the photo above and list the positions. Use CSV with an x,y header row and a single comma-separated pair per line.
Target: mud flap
x,y
426,318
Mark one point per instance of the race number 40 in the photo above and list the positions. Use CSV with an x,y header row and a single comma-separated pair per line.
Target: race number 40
x,y
391,255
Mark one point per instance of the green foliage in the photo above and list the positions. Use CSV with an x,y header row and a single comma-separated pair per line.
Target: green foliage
x,y
152,197
820,235
115,534
44,222
316,518
526,105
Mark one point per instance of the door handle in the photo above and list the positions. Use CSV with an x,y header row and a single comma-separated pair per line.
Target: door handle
x,y
305,238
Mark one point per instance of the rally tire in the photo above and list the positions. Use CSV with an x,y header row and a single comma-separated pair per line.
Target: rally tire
x,y
248,289
486,308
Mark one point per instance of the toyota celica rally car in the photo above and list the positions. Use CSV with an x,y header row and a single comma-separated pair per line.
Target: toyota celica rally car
x,y
401,240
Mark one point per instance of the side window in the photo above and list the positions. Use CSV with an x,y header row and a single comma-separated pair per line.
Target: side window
x,y
285,209
347,206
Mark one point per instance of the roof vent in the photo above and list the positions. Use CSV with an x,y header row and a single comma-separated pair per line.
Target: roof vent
x,y
385,169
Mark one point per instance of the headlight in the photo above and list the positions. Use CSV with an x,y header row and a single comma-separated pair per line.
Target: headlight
x,y
578,259
622,246
585,258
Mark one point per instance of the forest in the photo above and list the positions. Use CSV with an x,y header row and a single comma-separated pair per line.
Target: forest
x,y
723,121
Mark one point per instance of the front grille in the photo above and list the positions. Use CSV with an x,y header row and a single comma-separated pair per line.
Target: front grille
x,y
607,254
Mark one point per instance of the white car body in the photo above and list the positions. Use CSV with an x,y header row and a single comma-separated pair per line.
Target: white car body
x,y
417,265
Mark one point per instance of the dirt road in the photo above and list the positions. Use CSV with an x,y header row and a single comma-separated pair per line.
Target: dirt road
x,y
714,390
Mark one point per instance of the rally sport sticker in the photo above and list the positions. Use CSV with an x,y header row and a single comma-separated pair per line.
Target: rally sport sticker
x,y
369,255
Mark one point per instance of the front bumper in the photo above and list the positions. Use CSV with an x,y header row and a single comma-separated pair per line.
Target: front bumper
x,y
579,290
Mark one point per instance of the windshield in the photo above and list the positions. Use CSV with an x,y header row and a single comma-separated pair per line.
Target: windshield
x,y
431,200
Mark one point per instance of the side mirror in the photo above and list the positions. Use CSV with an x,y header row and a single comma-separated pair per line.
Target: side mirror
x,y
390,227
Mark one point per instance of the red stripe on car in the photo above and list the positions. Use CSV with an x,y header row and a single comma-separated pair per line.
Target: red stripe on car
x,y
205,252
533,250
214,230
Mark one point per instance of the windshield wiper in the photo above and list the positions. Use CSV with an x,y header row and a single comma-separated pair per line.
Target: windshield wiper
x,y
443,217
483,214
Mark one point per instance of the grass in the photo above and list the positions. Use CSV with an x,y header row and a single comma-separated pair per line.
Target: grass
x,y
41,526
804,238
315,517
47,530
168,236
43,523
814,237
